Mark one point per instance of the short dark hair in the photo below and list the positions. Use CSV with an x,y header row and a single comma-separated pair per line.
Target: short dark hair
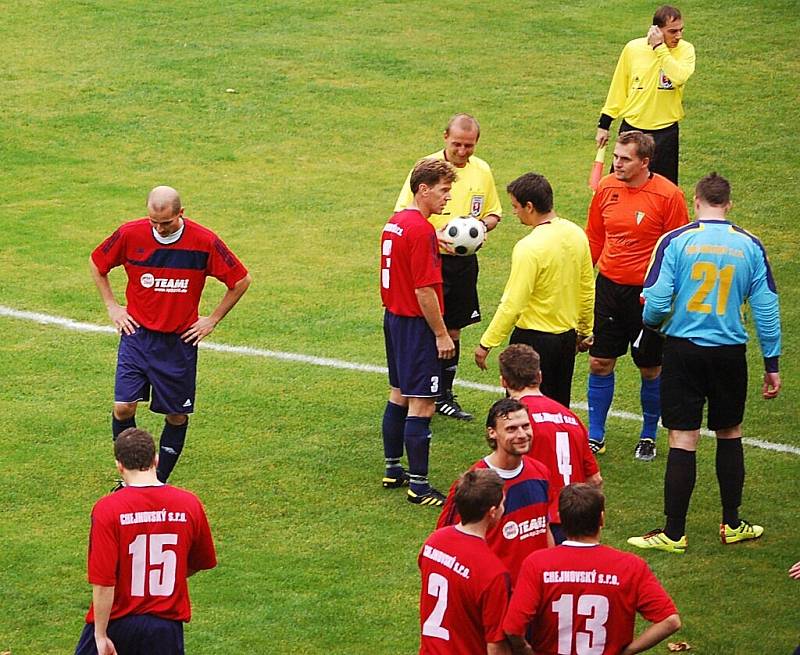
x,y
502,408
476,493
532,188
135,449
463,120
664,14
519,365
645,144
431,172
714,190
580,506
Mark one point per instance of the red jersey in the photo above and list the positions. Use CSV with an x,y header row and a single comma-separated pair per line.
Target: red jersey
x,y
165,281
626,222
523,528
584,598
409,260
144,541
464,594
561,443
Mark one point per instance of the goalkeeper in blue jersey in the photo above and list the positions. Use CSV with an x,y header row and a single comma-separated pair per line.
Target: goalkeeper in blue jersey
x,y
699,279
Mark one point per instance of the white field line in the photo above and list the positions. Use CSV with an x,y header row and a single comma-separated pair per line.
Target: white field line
x,y
69,324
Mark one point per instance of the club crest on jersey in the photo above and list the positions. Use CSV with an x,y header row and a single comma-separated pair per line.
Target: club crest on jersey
x,y
164,284
663,81
639,217
524,529
476,206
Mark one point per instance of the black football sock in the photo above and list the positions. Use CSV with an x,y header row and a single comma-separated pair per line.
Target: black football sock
x,y
170,447
730,475
449,367
118,426
394,424
679,479
417,439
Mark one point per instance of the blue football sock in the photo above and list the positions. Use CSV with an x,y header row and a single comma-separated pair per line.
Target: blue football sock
x,y
170,447
118,426
394,424
601,391
650,395
417,439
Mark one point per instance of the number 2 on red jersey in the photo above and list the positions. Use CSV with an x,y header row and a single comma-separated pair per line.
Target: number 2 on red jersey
x,y
437,587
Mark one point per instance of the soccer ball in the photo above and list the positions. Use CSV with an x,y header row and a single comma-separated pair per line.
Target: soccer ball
x,y
466,234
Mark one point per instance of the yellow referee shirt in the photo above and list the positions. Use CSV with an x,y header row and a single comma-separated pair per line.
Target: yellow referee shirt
x,y
647,87
551,284
473,193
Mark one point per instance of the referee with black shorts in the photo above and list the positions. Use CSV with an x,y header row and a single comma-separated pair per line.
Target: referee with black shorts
x,y
646,91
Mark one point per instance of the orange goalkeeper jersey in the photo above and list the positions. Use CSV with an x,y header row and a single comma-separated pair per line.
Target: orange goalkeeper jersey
x,y
626,222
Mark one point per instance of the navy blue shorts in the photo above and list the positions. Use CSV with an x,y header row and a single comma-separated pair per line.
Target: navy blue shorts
x,y
137,634
160,362
412,356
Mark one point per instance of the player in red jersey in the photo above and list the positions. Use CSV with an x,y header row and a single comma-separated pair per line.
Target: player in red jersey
x,y
465,587
145,541
559,437
630,211
582,597
167,258
523,526
414,332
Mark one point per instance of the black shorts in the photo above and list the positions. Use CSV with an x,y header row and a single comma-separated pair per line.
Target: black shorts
x,y
665,159
557,360
693,374
618,324
460,275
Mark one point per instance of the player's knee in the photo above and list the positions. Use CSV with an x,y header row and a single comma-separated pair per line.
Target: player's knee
x,y
650,372
601,366
423,407
176,419
455,333
124,411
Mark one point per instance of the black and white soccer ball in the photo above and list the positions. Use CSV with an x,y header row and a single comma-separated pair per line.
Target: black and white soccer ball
x,y
466,234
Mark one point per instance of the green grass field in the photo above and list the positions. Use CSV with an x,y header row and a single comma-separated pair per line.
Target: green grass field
x,y
298,170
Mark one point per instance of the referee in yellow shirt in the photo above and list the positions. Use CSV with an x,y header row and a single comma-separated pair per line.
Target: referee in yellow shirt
x,y
647,89
549,296
473,194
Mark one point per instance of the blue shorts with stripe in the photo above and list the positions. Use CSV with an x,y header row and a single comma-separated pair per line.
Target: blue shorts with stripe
x,y
137,634
158,367
411,355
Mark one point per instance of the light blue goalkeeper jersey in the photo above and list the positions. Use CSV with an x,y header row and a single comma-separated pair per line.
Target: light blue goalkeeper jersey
x,y
700,278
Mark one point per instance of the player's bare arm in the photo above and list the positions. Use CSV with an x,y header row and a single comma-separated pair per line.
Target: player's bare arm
x,y
118,314
794,571
429,304
654,634
102,599
204,325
